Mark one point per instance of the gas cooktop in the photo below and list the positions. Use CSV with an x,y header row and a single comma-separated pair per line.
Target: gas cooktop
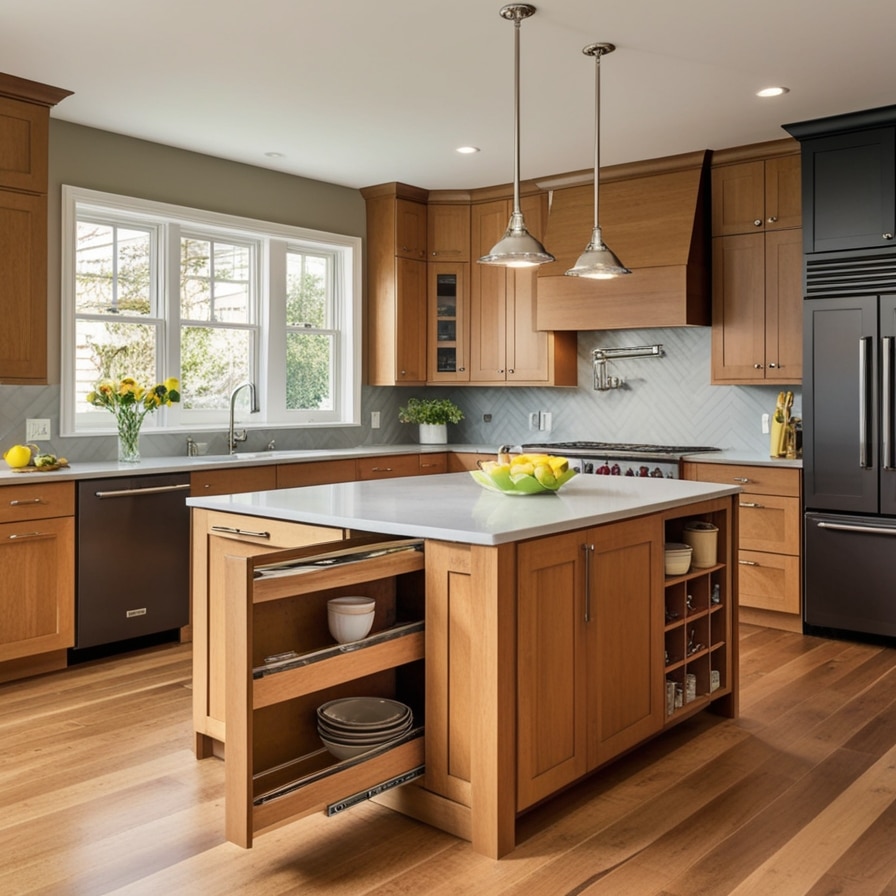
x,y
616,449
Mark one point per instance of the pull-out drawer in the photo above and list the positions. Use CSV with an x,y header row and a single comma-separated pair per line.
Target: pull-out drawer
x,y
283,664
769,581
387,467
36,499
769,523
759,479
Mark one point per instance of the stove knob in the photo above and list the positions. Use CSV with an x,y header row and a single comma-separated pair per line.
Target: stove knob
x,y
615,470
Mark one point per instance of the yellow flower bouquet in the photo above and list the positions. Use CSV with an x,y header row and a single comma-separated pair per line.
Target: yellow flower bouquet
x,y
129,402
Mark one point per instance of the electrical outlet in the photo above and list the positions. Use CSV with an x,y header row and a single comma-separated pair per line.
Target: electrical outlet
x,y
546,421
37,429
765,423
486,418
535,420
374,419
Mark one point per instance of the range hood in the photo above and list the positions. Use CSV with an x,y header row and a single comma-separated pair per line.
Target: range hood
x,y
655,215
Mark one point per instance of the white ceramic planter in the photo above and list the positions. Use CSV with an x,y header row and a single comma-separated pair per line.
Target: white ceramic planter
x,y
433,433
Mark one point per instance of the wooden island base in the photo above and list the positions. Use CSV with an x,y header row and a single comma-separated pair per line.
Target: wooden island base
x,y
542,660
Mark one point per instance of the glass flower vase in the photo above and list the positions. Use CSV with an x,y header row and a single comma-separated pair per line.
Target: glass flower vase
x,y
128,437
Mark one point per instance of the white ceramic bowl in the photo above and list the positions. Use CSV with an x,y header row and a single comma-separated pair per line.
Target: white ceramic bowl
x,y
352,606
344,751
346,627
677,558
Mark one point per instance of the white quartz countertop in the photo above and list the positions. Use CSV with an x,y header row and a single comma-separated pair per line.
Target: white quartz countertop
x,y
748,458
182,464
452,507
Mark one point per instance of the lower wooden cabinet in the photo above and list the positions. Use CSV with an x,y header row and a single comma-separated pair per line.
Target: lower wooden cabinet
x,y
37,556
233,481
769,539
589,657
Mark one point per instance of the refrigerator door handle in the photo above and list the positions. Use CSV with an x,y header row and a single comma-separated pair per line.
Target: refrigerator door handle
x,y
864,402
844,527
886,418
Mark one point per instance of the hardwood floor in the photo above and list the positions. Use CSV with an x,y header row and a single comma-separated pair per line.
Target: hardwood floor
x,y
100,793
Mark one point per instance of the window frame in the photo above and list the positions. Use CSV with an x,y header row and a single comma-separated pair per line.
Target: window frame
x,y
274,241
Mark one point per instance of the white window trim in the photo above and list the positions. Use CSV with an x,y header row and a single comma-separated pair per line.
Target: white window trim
x,y
275,239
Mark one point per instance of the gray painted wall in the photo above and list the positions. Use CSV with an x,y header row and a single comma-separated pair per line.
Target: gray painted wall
x,y
665,400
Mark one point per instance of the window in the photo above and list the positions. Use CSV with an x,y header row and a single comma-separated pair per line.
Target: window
x,y
152,290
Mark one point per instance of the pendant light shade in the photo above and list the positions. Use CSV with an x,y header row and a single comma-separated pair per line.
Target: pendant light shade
x,y
597,262
517,248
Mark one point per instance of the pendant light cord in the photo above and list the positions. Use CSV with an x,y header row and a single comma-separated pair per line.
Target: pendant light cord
x,y
516,114
597,56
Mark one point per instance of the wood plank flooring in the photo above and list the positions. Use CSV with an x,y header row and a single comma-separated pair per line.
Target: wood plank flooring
x,y
100,794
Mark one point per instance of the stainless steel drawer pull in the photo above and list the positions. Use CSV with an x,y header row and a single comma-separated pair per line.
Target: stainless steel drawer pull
x,y
18,503
741,479
752,504
381,469
748,563
25,535
155,490
232,531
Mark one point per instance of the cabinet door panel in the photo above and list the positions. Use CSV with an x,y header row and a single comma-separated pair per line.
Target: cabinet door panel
x,y
625,703
410,229
783,193
738,198
488,298
738,309
37,612
448,232
551,667
784,306
23,336
410,322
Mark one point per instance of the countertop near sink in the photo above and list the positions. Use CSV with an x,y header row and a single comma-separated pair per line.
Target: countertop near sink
x,y
150,465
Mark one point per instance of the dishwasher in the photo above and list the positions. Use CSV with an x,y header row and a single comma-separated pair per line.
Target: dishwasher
x,y
133,558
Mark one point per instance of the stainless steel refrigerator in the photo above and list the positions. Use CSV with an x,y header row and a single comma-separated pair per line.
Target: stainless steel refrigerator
x,y
849,465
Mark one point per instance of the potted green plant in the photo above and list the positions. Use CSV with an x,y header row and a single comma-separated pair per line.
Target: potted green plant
x,y
432,416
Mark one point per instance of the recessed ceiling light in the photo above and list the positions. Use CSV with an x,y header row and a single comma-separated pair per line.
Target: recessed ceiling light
x,y
274,155
772,91
467,150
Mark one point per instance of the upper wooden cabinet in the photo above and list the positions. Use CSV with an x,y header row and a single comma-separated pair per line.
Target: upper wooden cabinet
x,y
505,344
448,231
757,265
756,196
449,322
24,140
396,285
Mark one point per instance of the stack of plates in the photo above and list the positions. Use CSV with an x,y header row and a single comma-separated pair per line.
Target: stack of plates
x,y
354,725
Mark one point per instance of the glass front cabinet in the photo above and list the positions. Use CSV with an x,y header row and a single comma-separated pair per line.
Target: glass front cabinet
x,y
449,302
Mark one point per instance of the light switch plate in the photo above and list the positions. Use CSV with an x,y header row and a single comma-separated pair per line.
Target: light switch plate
x,y
37,429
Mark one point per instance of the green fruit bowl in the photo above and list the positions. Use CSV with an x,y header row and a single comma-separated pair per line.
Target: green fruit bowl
x,y
523,484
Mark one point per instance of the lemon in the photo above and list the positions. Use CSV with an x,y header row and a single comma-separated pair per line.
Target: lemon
x,y
18,456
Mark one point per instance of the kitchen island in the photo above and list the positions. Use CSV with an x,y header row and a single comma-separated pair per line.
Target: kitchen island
x,y
553,640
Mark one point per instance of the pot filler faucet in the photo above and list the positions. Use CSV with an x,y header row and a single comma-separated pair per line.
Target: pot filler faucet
x,y
240,435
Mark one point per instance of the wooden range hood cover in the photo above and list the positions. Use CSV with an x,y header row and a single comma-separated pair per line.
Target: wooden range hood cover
x,y
654,216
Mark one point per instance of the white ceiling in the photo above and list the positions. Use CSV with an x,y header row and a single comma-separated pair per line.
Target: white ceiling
x,y
359,93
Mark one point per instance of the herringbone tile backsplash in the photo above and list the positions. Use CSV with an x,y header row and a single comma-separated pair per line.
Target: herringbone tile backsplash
x,y
665,400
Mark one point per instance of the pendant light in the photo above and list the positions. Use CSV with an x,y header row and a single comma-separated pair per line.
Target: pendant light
x,y
517,248
597,262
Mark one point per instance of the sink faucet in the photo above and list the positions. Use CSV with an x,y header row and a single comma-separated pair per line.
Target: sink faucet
x,y
240,435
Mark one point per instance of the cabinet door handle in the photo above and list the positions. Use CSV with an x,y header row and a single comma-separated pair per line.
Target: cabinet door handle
x,y
773,219
741,478
757,222
752,504
19,502
154,490
886,412
772,365
25,535
757,367
748,563
381,469
233,531
589,553
887,236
